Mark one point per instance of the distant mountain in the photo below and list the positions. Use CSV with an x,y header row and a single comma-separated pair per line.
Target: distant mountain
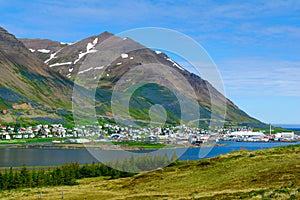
x,y
60,63
48,46
29,89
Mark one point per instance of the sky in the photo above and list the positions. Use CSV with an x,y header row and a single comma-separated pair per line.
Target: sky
x,y
255,44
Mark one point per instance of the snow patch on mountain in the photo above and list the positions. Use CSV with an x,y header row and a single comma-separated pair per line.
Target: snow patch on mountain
x,y
60,64
52,55
86,70
43,50
32,50
101,67
71,43
95,41
124,55
83,54
89,49
175,64
158,52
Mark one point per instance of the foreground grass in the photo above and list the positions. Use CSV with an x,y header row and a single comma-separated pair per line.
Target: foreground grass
x,y
265,174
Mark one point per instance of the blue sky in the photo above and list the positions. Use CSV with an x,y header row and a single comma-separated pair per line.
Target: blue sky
x,y
255,44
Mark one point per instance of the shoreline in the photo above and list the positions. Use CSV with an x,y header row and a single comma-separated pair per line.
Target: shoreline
x,y
112,146
102,146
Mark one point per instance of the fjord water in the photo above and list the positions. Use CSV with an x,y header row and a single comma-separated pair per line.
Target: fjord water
x,y
192,154
291,127
49,156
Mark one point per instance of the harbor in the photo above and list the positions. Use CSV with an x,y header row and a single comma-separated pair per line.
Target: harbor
x,y
107,134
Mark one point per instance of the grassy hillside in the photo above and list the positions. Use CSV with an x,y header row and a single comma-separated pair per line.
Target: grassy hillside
x,y
264,174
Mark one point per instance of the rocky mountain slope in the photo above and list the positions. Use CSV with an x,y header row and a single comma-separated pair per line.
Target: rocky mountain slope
x,y
48,46
29,89
43,72
70,60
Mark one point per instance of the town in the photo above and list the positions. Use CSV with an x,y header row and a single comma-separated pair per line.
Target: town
x,y
178,135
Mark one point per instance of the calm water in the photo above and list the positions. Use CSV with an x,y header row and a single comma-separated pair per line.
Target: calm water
x,y
193,154
291,127
39,157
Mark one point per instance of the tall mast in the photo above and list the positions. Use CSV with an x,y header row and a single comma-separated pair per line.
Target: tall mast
x,y
270,129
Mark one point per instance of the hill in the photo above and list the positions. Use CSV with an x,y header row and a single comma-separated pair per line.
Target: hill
x,y
264,174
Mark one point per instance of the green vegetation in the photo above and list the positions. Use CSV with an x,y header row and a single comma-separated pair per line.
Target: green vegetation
x,y
28,141
63,175
273,131
264,174
141,144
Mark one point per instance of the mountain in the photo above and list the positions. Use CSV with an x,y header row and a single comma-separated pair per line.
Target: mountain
x,y
48,46
37,78
61,57
70,60
29,89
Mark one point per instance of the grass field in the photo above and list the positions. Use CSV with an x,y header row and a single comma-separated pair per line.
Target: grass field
x,y
264,174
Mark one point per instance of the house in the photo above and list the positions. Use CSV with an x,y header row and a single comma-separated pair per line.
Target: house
x,y
198,138
25,136
5,137
17,136
46,131
10,129
21,130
